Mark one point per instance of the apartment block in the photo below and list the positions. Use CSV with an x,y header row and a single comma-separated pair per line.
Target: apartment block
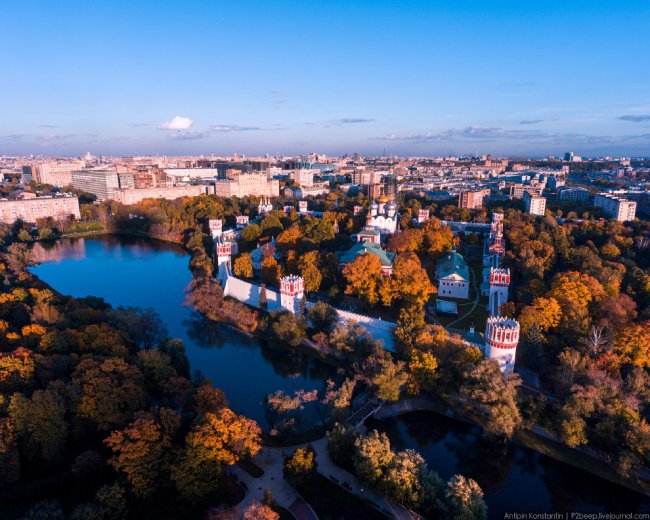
x,y
240,184
57,173
33,208
573,193
534,204
133,196
616,207
472,199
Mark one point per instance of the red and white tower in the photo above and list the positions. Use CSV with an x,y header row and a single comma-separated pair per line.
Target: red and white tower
x,y
292,291
423,216
499,282
216,227
501,339
223,252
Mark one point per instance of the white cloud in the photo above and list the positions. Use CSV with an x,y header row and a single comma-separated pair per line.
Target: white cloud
x,y
177,123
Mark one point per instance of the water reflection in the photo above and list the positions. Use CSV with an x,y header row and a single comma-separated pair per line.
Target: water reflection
x,y
513,478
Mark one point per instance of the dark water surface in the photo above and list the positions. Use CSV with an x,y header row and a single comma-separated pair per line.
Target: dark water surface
x,y
135,272
146,273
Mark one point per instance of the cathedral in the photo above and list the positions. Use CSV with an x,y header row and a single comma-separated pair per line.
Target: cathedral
x,y
383,215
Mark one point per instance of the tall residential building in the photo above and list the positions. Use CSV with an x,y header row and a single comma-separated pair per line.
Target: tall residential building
x,y
33,208
471,199
534,204
303,177
239,184
617,208
102,183
57,173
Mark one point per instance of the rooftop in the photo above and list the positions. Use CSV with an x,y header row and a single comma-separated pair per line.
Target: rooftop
x,y
361,248
452,263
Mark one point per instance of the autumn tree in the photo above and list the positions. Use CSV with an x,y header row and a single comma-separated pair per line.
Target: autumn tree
x,y
372,457
364,278
213,441
422,367
543,312
309,267
299,468
271,270
465,499
631,344
243,267
409,282
9,457
137,452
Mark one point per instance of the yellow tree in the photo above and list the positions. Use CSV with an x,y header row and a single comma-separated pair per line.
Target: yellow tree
x,y
309,266
545,312
364,277
422,368
244,266
215,440
289,238
632,344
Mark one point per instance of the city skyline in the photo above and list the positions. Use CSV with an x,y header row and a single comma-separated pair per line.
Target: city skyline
x,y
424,78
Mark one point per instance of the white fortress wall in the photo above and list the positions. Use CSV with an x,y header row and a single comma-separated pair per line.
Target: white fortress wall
x,y
249,294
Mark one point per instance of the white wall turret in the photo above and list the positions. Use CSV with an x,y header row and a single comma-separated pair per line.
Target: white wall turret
x,y
499,282
501,339
292,291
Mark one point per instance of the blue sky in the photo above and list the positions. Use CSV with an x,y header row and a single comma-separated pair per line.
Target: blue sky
x,y
526,77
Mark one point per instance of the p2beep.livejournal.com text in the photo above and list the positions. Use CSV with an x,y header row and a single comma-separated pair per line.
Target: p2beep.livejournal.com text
x,y
576,516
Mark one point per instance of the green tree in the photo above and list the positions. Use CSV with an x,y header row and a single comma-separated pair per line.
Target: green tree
x,y
108,392
41,423
322,317
488,393
251,233
286,328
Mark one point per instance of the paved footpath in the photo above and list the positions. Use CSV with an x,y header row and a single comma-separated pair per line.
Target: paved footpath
x,y
271,460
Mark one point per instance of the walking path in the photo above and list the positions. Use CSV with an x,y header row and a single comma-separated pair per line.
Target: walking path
x,y
271,461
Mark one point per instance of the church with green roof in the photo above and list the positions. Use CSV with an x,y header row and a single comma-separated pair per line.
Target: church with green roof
x,y
452,275
386,258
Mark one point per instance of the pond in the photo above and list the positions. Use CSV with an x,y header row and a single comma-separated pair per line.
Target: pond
x,y
146,273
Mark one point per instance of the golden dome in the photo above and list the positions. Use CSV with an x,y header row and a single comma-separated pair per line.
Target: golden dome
x,y
383,199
